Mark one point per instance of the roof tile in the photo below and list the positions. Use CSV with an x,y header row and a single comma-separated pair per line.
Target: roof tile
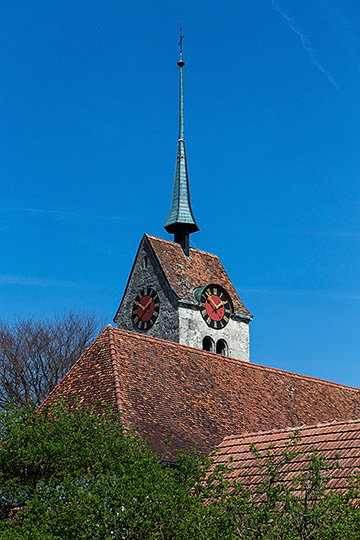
x,y
327,439
185,274
185,395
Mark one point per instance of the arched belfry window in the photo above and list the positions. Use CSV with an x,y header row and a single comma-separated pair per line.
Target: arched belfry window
x,y
208,344
145,262
221,347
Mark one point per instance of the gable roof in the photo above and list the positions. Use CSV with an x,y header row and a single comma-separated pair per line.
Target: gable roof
x,y
184,274
327,439
185,395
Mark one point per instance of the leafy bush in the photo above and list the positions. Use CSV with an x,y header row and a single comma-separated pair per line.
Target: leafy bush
x,y
67,474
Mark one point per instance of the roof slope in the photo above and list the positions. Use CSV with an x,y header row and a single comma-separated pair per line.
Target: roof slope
x,y
92,377
327,439
184,274
185,395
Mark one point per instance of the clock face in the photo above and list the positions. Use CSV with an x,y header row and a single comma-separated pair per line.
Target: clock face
x,y
145,309
215,306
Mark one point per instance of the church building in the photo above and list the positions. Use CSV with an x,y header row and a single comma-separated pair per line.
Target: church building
x,y
177,365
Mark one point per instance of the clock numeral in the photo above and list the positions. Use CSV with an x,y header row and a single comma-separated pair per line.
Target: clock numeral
x,y
215,306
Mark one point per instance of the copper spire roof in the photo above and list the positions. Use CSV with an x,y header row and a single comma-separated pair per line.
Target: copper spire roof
x,y
181,221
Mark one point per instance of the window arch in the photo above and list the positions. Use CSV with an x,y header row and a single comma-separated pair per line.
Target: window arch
x,y
208,344
222,347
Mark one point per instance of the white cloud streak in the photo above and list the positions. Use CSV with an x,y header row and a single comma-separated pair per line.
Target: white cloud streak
x,y
332,295
33,281
306,43
63,214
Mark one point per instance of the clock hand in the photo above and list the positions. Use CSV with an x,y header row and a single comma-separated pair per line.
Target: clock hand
x,y
212,301
222,303
140,305
147,306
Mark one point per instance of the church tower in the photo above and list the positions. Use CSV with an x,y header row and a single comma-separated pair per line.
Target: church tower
x,y
182,294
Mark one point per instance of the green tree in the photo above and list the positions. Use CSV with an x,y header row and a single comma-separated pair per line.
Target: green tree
x,y
74,474
81,474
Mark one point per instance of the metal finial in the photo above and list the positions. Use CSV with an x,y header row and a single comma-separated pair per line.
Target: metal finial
x,y
181,62
181,38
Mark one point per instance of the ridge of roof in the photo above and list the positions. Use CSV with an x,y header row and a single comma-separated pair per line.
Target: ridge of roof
x,y
247,365
170,242
113,356
247,434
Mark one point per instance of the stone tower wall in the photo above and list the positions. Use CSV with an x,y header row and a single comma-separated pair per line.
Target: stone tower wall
x,y
147,273
193,329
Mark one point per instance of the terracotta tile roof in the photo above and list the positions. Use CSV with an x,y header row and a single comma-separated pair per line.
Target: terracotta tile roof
x,y
92,377
184,274
328,439
171,391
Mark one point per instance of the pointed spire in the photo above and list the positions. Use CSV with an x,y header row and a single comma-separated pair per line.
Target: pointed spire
x,y
181,221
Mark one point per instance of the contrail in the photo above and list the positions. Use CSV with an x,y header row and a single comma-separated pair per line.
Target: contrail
x,y
306,43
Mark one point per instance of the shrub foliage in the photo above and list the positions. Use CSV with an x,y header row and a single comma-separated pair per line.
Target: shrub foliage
x,y
67,474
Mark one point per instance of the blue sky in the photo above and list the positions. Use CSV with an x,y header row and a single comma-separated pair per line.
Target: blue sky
x,y
272,106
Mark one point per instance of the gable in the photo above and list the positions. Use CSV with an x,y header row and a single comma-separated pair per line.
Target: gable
x,y
147,273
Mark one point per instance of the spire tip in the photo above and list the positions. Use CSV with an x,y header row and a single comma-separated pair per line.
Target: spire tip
x,y
181,38
181,62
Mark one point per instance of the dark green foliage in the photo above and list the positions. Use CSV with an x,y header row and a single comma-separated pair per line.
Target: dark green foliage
x,y
77,475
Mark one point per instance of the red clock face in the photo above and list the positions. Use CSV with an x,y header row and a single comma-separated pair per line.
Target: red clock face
x,y
215,307
145,309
